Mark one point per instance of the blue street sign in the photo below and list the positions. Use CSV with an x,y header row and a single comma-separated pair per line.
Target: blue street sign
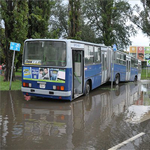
x,y
114,47
15,46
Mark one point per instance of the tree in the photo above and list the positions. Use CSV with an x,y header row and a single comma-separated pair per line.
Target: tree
x,y
74,19
87,33
2,57
62,26
38,21
146,3
14,14
59,20
108,18
142,17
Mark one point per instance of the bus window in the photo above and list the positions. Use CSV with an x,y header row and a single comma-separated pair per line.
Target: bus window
x,y
117,58
97,55
124,57
33,51
89,55
77,63
133,62
45,53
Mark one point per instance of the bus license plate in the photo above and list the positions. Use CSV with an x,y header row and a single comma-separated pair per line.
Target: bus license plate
x,y
42,86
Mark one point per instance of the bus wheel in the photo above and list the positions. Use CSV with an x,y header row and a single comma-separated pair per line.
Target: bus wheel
x,y
87,88
117,79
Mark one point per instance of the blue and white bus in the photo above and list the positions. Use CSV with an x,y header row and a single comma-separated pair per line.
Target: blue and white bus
x,y
66,69
126,68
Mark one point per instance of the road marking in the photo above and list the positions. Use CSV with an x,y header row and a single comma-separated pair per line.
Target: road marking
x,y
127,141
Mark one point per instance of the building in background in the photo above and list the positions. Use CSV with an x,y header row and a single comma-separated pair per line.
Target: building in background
x,y
142,53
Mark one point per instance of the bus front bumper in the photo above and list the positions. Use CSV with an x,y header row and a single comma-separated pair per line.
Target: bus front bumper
x,y
46,92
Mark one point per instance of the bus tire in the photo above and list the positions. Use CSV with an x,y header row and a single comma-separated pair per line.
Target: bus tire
x,y
87,88
117,79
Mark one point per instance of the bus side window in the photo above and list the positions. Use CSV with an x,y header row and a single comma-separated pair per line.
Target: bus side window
x,y
97,55
89,55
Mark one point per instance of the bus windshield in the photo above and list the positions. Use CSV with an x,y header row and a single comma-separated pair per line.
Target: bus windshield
x,y
48,53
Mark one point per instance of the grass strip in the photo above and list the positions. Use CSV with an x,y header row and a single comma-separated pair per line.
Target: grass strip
x,y
4,85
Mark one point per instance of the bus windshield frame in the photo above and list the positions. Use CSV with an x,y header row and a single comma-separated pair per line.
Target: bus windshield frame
x,y
45,53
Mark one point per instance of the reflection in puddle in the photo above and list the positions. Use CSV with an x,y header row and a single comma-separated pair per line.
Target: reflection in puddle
x,y
140,112
27,98
97,121
143,88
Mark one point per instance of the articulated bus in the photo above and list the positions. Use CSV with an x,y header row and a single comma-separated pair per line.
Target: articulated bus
x,y
66,69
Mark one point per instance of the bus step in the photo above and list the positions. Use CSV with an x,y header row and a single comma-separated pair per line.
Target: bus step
x,y
77,95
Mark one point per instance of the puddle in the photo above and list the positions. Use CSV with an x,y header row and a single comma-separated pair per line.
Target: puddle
x,y
97,121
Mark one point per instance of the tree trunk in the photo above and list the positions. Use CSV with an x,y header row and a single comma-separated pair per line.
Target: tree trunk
x,y
74,16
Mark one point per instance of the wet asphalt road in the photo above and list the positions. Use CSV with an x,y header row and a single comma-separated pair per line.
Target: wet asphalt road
x,y
106,119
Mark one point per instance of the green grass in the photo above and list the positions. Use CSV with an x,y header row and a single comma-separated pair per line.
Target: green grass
x,y
19,73
145,75
15,85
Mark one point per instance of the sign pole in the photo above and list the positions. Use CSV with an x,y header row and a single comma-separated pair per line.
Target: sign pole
x,y
12,68
15,47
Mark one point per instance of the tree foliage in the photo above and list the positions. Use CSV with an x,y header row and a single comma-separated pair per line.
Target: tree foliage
x,y
14,15
108,18
59,20
22,19
74,19
38,20
142,17
97,21
88,34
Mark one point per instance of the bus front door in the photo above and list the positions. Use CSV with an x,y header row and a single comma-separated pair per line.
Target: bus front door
x,y
78,72
128,69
